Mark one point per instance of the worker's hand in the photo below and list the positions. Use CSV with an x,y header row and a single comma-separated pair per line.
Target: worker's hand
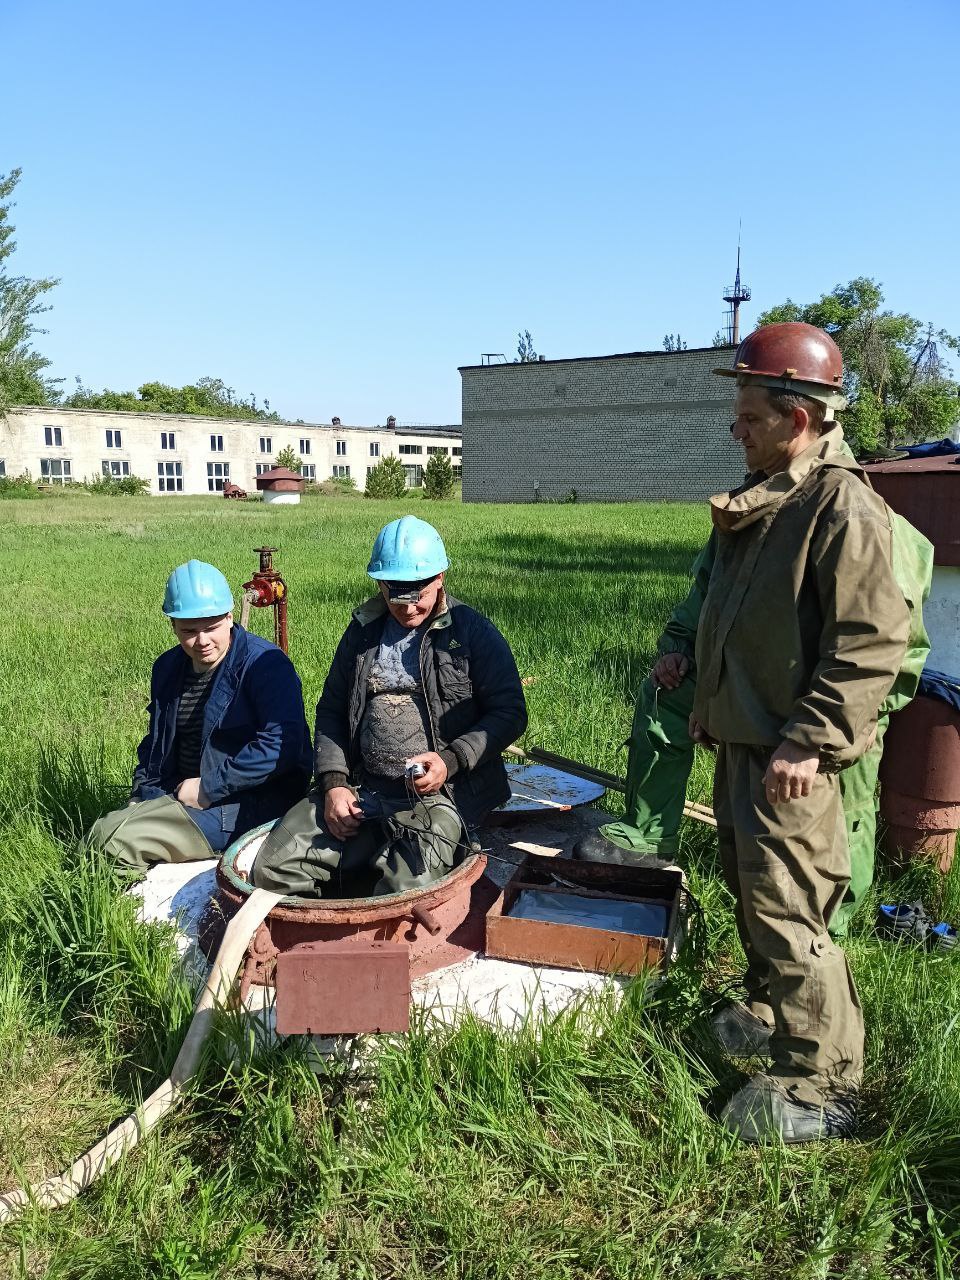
x,y
191,794
699,734
669,670
341,813
790,773
434,777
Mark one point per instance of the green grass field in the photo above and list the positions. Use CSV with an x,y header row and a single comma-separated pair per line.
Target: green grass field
x,y
545,1154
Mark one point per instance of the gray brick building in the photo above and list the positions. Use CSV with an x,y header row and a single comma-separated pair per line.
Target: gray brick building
x,y
647,424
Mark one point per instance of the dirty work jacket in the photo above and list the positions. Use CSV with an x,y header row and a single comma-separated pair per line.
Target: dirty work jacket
x,y
255,753
912,568
803,628
471,688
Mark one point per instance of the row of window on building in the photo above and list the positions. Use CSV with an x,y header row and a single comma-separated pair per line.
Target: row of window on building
x,y
170,474
53,439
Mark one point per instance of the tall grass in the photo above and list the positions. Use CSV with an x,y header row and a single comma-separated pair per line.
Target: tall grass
x,y
580,1146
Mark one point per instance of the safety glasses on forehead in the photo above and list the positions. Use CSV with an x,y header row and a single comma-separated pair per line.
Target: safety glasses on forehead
x,y
407,592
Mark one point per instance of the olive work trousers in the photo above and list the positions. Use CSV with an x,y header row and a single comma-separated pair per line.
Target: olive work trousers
x,y
658,766
405,848
787,867
151,831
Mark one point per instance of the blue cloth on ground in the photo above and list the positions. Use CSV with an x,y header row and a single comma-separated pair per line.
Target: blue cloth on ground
x,y
937,684
930,449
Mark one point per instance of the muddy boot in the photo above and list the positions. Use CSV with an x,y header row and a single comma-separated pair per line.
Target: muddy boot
x,y
597,848
764,1111
741,1033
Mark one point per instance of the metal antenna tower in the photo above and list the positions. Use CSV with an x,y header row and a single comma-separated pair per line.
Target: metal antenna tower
x,y
733,295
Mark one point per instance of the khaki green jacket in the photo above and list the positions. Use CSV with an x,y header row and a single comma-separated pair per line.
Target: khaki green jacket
x,y
804,628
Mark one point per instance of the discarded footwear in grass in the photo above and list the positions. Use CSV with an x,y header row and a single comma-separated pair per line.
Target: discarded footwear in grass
x,y
909,922
942,937
903,922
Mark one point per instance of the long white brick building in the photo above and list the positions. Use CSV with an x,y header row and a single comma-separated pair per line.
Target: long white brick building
x,y
649,424
188,454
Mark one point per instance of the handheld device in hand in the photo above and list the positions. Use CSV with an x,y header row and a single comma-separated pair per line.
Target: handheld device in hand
x,y
414,769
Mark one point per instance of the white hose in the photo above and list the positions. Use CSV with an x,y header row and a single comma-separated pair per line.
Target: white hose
x,y
53,1192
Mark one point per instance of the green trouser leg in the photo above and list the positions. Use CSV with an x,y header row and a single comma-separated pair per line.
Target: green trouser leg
x,y
149,832
858,792
409,850
658,766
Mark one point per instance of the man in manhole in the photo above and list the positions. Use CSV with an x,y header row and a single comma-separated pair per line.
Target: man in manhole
x,y
421,699
227,748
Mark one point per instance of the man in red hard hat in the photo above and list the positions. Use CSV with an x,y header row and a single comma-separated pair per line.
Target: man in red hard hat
x,y
801,634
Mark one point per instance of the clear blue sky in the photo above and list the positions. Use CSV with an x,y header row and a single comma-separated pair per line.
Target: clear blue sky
x,y
334,206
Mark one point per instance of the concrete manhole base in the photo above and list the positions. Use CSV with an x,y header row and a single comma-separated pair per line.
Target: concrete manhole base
x,y
499,992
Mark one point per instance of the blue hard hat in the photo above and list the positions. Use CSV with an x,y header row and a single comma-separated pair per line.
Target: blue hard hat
x,y
407,550
197,590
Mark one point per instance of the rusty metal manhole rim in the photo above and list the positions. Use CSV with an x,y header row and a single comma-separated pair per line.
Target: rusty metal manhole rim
x,y
345,910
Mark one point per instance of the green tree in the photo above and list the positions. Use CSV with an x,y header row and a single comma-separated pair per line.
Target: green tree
x,y
899,384
22,378
387,479
438,477
673,342
207,397
525,352
287,458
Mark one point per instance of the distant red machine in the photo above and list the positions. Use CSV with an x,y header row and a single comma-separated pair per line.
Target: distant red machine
x,y
231,490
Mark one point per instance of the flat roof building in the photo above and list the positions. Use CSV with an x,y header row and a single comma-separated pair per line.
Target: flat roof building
x,y
645,424
184,453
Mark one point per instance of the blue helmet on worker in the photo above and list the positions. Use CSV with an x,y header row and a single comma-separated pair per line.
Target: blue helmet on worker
x,y
197,590
407,550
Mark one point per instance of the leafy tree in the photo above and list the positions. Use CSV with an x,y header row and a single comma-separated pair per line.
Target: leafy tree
x,y
387,479
287,458
22,379
720,339
673,342
207,397
525,352
899,384
438,477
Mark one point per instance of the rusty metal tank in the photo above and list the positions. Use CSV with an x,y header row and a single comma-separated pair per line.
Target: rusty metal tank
x,y
440,925
920,772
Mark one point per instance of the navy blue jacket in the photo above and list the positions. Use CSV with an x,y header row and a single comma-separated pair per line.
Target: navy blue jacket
x,y
255,760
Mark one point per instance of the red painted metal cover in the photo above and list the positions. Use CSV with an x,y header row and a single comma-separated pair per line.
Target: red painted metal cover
x,y
343,988
925,491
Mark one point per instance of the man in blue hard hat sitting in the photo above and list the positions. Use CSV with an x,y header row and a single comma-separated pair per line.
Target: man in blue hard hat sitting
x,y
420,702
228,746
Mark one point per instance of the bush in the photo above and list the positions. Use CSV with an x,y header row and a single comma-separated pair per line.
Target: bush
x,y
438,479
118,486
18,487
287,458
343,482
329,489
387,479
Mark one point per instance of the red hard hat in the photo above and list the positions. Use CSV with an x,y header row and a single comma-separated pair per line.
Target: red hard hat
x,y
787,354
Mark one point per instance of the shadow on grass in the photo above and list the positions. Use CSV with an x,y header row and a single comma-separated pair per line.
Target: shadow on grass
x,y
558,554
